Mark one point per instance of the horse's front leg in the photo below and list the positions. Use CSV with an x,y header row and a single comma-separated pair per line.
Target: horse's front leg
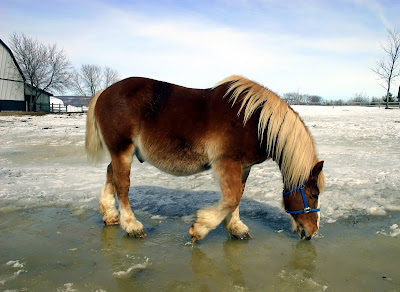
x,y
121,164
229,173
235,226
232,222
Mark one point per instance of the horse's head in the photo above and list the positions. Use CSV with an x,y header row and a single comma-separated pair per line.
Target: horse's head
x,y
303,204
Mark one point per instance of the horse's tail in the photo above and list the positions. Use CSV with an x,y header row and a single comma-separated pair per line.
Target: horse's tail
x,y
93,142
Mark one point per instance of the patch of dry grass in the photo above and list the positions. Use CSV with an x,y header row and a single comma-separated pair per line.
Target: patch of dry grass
x,y
5,114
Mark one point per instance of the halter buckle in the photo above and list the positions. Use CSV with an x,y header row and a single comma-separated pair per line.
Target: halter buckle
x,y
307,210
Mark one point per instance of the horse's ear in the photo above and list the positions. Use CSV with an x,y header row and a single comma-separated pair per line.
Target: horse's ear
x,y
317,169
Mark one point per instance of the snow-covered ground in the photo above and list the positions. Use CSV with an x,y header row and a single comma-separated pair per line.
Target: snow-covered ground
x,y
42,163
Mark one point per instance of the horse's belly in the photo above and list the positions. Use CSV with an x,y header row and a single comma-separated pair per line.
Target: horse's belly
x,y
172,158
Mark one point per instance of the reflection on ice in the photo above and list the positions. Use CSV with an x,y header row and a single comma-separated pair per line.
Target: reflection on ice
x,y
299,272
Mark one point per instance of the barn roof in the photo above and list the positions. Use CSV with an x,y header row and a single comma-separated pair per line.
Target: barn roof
x,y
13,58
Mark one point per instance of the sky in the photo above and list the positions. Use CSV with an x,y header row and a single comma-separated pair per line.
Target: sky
x,y
320,47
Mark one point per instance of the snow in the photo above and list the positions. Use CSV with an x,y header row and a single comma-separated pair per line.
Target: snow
x,y
42,163
360,147
56,101
58,106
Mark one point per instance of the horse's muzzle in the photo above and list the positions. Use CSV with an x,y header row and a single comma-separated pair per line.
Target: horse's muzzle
x,y
304,236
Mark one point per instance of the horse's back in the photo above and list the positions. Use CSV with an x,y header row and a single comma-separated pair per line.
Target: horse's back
x,y
179,130
165,122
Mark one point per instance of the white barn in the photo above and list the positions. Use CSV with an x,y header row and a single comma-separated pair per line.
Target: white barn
x,y
12,82
15,93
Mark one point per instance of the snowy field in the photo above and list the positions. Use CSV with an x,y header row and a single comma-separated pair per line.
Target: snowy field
x,y
42,163
43,167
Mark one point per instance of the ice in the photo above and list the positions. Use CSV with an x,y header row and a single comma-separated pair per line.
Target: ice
x,y
393,231
286,280
19,272
68,287
42,163
140,266
158,217
15,264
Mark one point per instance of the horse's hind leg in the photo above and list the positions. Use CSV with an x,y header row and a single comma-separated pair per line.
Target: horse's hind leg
x,y
107,200
121,164
232,222
229,173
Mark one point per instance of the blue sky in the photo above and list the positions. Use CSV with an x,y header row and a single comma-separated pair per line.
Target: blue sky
x,y
314,47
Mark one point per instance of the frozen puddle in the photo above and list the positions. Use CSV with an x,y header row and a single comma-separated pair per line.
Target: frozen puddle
x,y
76,252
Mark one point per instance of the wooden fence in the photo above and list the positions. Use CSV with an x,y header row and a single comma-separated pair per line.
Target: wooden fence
x,y
393,104
58,108
350,103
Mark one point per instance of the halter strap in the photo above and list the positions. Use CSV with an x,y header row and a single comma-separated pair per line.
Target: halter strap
x,y
306,209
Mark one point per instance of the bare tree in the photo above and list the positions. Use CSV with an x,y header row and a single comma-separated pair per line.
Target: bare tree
x,y
110,76
360,97
88,80
91,78
316,99
387,69
45,67
294,97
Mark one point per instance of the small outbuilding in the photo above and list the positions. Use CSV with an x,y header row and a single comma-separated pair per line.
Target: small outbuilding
x,y
43,102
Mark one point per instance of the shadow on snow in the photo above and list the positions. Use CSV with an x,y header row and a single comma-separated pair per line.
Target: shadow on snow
x,y
172,203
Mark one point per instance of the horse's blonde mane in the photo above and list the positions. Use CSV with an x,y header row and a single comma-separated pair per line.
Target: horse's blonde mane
x,y
289,142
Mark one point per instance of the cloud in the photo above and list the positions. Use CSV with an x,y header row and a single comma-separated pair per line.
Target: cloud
x,y
319,50
376,8
199,52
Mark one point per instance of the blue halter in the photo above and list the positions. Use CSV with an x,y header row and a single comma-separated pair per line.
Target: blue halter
x,y
306,209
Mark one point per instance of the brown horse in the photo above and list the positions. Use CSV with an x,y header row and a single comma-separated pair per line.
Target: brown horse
x,y
182,131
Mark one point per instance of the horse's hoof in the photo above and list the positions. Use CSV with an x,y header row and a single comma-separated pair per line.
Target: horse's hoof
x,y
114,221
138,234
243,236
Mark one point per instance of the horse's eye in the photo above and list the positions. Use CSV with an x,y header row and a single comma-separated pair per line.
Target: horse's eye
x,y
314,197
